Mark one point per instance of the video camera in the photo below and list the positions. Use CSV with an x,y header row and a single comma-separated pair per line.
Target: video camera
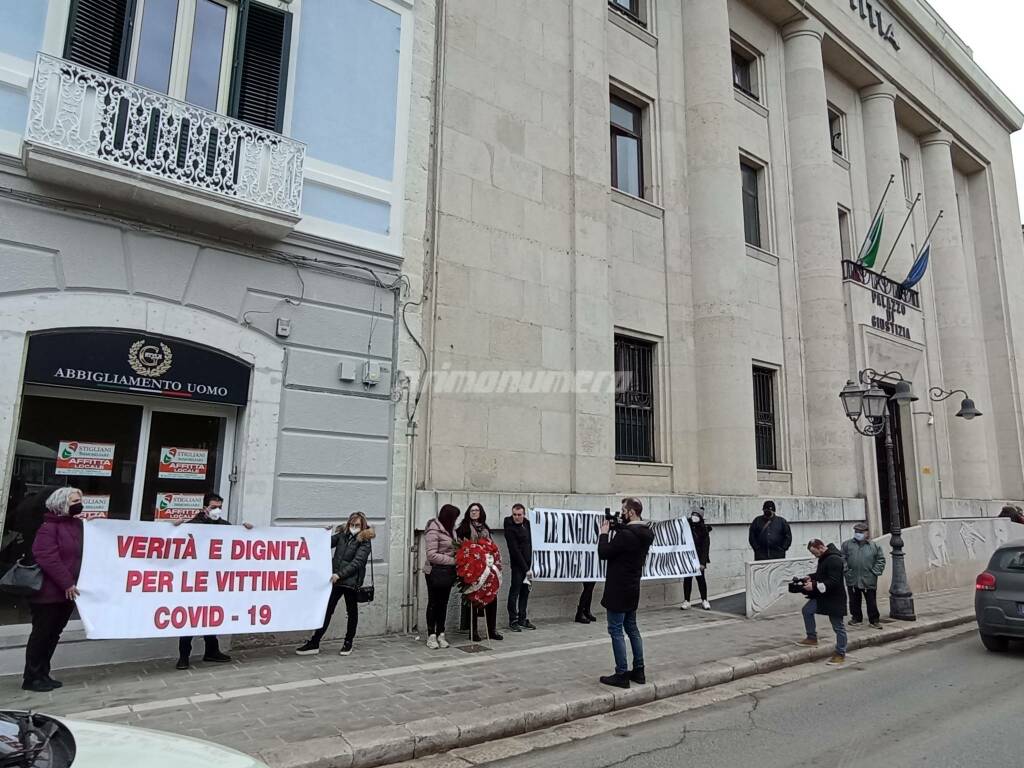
x,y
614,518
796,585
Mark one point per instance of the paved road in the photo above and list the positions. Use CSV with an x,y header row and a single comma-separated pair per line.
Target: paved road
x,y
940,706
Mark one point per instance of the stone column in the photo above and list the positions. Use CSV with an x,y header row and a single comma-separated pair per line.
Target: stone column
x,y
960,343
721,325
882,156
831,440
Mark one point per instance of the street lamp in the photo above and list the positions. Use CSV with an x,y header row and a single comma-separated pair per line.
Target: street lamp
x,y
967,409
871,401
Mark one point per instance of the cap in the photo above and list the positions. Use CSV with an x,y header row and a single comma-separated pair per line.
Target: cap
x,y
861,527
768,505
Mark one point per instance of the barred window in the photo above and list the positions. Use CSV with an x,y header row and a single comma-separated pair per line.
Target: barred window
x,y
634,400
764,418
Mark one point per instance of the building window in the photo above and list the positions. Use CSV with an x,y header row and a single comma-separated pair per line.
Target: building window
x,y
634,399
627,147
764,418
751,203
630,8
908,188
229,56
845,242
836,133
744,71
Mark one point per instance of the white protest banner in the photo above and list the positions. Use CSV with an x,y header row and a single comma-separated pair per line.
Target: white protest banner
x,y
565,547
143,579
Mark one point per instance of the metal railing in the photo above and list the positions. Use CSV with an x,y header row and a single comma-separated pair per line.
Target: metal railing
x,y
87,113
860,274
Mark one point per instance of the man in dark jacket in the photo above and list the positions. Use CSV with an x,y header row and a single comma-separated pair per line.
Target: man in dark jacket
x,y
520,554
626,553
769,535
826,593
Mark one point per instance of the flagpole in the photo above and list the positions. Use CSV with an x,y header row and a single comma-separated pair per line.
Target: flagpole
x,y
934,225
927,244
900,233
892,180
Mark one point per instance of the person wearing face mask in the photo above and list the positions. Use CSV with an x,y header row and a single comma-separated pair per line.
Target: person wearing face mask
x,y
57,549
352,552
212,513
769,535
702,543
865,562
473,527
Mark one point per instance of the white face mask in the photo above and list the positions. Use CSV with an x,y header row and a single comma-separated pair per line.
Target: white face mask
x,y
694,519
215,513
355,528
859,536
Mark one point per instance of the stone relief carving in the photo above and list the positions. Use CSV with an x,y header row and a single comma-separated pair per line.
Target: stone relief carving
x,y
937,541
1001,531
767,580
971,536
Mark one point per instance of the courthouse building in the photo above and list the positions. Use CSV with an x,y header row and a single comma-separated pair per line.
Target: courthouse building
x,y
679,190
202,223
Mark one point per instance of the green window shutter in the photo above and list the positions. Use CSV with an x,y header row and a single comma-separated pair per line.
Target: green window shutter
x,y
260,72
99,34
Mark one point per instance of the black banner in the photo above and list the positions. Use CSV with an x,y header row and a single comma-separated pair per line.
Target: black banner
x,y
136,363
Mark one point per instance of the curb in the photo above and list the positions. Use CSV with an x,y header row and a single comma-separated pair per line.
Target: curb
x,y
380,746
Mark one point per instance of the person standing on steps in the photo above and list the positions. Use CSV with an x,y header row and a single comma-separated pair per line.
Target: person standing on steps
x,y
439,571
583,614
352,552
769,535
702,543
520,555
473,527
826,593
865,562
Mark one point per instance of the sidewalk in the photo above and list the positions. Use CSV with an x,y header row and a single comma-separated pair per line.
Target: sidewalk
x,y
393,698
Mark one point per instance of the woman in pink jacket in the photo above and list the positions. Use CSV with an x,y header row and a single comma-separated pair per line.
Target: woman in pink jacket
x,y
439,571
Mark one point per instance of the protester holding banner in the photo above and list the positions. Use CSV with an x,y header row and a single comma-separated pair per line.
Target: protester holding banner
x,y
520,555
472,528
439,571
702,543
352,551
58,552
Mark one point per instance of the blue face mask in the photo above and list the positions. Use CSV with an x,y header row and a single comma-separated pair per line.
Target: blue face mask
x,y
859,536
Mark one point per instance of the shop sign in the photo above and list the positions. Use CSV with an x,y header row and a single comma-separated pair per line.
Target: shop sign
x,y
95,505
136,363
178,506
182,463
76,457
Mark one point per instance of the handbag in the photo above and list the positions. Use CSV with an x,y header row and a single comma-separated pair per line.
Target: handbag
x,y
365,594
22,579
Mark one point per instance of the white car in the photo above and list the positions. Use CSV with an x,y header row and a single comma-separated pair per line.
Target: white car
x,y
41,741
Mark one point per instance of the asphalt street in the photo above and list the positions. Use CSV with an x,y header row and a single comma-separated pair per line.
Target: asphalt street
x,y
943,705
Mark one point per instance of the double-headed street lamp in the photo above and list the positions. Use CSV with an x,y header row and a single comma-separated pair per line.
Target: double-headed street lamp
x,y
868,400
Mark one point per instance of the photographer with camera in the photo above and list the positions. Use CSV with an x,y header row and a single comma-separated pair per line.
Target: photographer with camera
x,y
826,594
626,553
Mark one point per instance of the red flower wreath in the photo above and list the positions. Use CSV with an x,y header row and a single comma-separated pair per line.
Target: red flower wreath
x,y
478,566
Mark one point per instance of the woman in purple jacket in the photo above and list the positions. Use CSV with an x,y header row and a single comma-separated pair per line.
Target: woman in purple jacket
x,y
58,551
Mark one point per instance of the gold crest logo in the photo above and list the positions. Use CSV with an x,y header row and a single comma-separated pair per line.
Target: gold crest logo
x,y
152,360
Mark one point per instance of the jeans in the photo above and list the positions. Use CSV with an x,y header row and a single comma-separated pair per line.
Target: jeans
x,y
518,597
617,622
437,605
702,585
837,626
210,641
351,607
48,621
870,597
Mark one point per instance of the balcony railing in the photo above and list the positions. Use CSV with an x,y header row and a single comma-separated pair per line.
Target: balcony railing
x,y
90,114
859,274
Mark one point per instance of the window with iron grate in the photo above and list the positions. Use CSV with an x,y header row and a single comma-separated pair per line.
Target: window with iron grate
x,y
764,418
634,400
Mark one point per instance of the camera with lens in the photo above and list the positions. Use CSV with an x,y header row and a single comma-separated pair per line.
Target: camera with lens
x,y
614,518
796,585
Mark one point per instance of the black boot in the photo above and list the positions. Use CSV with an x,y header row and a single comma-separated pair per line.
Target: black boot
x,y
581,618
638,676
616,680
589,616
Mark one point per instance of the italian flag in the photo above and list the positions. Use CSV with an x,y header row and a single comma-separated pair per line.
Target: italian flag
x,y
869,251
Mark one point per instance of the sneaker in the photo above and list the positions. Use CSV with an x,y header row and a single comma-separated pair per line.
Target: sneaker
x,y
836,660
855,622
810,642
876,625
526,625
219,658
432,643
182,664
442,642
617,681
705,605
497,636
686,605
308,648
346,648
54,683
514,628
37,686
638,676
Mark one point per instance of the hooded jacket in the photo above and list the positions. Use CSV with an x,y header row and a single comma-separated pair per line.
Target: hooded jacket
x,y
770,538
865,562
626,553
58,551
829,588
351,554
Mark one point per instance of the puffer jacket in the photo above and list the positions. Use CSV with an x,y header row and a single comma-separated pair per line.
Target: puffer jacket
x,y
440,546
865,562
829,590
58,551
351,554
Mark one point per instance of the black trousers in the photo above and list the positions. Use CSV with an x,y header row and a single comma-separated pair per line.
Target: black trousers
x,y
48,621
586,598
490,612
437,605
351,607
518,597
702,585
870,597
210,641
